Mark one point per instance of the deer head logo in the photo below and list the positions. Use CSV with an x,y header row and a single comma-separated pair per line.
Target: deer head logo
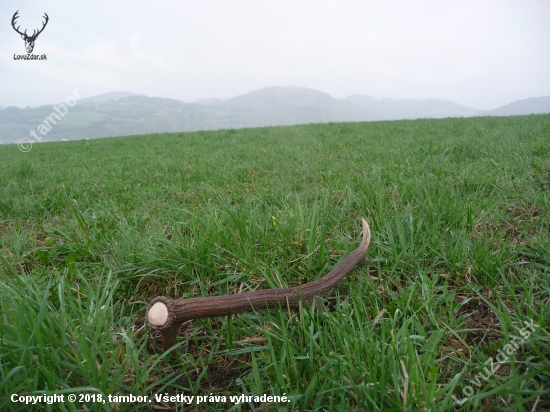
x,y
29,40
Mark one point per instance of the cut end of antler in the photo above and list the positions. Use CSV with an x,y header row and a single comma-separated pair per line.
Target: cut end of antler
x,y
158,314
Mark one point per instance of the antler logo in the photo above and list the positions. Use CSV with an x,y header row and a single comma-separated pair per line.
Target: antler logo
x,y
29,40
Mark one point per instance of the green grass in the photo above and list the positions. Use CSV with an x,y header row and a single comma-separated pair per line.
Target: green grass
x,y
91,231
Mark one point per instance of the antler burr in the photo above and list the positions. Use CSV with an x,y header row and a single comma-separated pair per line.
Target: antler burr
x,y
167,314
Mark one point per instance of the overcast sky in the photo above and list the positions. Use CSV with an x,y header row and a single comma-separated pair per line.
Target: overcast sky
x,y
482,54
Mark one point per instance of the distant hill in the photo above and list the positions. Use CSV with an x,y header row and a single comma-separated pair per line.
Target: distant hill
x,y
289,105
390,109
107,97
532,105
127,113
135,114
206,102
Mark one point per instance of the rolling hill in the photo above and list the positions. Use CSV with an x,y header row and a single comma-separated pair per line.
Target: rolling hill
x,y
533,105
392,109
125,113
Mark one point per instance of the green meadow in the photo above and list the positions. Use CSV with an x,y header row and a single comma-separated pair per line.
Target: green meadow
x,y
450,312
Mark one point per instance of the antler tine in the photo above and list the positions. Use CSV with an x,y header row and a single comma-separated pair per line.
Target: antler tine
x,y
44,24
15,17
34,34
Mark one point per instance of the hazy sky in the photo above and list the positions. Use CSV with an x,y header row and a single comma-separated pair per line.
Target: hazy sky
x,y
482,54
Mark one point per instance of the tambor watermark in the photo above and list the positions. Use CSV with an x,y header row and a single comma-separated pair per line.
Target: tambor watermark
x,y
43,128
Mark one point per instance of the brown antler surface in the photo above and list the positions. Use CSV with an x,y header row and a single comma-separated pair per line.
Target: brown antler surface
x,y
167,315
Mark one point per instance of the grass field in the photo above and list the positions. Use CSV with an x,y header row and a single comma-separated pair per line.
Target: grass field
x,y
457,272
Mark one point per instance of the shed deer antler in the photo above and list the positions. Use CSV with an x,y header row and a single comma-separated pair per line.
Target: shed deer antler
x,y
167,315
